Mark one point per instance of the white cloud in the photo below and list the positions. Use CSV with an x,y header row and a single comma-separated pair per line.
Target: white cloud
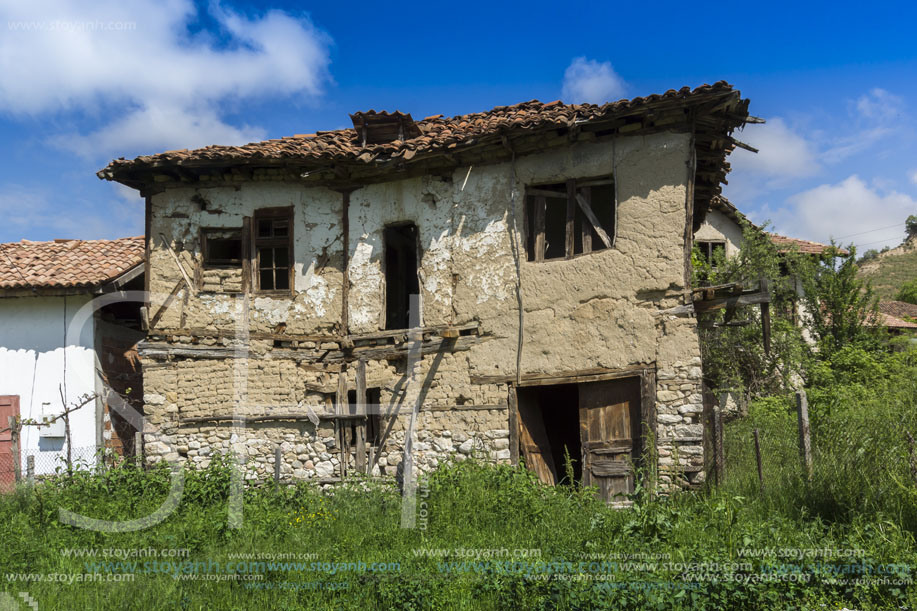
x,y
586,80
136,67
880,106
913,176
844,209
783,153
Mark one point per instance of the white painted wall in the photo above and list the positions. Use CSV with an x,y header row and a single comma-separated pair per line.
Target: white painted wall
x,y
719,227
32,354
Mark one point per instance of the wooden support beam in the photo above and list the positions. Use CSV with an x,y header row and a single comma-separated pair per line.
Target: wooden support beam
x,y
181,267
741,144
360,425
595,374
585,232
728,302
165,304
545,193
587,210
272,418
345,279
540,206
571,219
248,255
512,402
343,427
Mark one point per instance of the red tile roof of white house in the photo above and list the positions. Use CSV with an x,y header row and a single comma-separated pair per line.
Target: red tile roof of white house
x,y
67,263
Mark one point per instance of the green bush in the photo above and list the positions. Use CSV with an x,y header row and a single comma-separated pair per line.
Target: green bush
x,y
908,292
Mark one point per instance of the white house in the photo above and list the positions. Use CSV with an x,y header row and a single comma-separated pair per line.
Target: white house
x,y
54,349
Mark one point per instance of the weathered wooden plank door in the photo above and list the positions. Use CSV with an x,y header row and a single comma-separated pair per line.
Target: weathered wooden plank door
x,y
9,406
536,449
610,431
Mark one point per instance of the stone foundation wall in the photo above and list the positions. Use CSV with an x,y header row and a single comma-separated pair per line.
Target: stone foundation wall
x,y
457,419
680,427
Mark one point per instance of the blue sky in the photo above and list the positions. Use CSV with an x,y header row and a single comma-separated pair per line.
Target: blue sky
x,y
82,83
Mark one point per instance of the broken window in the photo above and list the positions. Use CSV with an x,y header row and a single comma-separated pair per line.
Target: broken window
x,y
711,251
401,280
273,245
571,218
222,247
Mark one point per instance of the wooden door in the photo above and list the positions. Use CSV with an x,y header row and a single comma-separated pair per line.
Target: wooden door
x,y
610,432
536,448
9,406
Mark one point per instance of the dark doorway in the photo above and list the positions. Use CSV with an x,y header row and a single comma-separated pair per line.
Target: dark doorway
x,y
599,425
550,419
401,281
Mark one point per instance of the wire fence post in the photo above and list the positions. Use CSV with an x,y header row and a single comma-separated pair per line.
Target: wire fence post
x,y
30,467
138,448
758,459
719,460
805,443
277,456
14,438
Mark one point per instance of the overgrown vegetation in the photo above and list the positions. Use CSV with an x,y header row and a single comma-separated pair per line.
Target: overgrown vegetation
x,y
819,296
908,292
493,537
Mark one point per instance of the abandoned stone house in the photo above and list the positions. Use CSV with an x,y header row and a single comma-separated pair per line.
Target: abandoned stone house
x,y
499,278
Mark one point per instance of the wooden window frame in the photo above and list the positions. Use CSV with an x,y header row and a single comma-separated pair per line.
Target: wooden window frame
x,y
257,243
223,264
709,245
578,198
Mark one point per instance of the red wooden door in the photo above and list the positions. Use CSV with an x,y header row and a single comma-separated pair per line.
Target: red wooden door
x,y
9,406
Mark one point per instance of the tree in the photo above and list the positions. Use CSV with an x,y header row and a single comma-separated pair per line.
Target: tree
x,y
908,292
840,307
734,356
910,225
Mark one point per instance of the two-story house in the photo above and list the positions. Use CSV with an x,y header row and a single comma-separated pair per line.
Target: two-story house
x,y
494,282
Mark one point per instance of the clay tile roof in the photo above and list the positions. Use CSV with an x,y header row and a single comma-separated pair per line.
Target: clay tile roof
x,y
435,134
894,322
67,263
785,244
898,309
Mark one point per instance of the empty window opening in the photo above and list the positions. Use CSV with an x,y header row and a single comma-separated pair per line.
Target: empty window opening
x,y
222,247
550,423
273,244
711,252
567,219
373,415
401,280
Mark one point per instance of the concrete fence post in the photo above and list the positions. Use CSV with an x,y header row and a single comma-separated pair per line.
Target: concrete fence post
x,y
805,443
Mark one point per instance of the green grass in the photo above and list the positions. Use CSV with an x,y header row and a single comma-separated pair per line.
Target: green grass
x,y
862,497
891,272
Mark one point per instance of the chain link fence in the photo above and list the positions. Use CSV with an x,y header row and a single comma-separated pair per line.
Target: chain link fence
x,y
37,464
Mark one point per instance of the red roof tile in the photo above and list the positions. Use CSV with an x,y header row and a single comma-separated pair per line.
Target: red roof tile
x,y
898,309
893,322
67,263
785,244
436,134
